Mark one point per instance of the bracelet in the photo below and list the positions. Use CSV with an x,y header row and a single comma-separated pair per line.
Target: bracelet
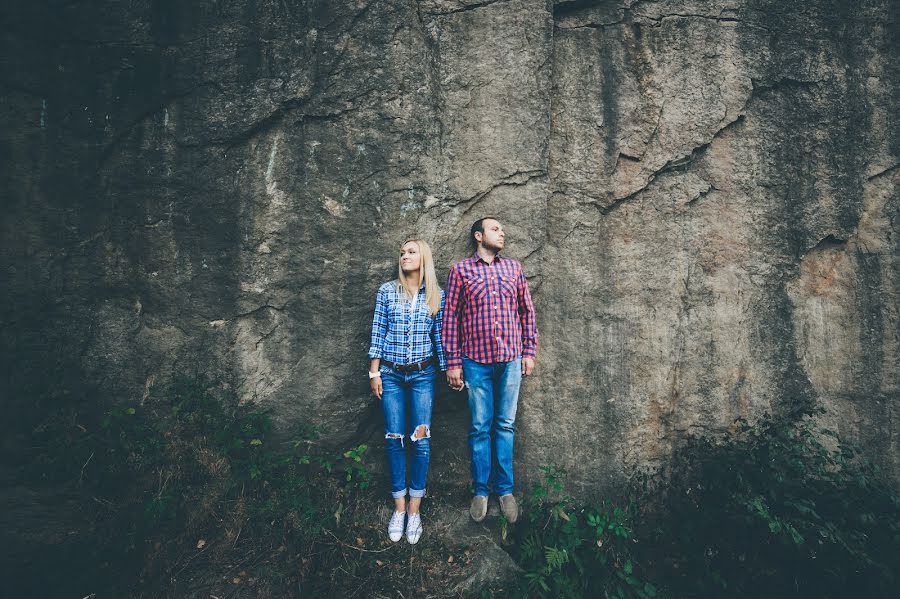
x,y
374,375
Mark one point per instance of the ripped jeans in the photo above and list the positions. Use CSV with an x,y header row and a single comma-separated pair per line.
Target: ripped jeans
x,y
406,400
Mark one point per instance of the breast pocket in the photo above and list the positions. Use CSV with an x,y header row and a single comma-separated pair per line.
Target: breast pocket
x,y
424,314
476,289
395,310
508,289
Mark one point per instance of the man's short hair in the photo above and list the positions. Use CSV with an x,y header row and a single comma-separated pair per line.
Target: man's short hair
x,y
478,227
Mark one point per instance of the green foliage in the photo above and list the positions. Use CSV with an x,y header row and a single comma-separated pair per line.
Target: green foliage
x,y
572,551
174,466
778,509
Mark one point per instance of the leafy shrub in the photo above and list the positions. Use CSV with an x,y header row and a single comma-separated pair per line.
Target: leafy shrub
x,y
778,509
182,466
572,551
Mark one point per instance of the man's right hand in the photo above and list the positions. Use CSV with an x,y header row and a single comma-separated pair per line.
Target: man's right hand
x,y
455,379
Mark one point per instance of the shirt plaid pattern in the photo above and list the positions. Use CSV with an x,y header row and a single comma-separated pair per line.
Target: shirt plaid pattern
x,y
488,316
402,334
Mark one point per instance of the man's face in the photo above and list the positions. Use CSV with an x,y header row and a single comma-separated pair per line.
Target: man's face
x,y
493,237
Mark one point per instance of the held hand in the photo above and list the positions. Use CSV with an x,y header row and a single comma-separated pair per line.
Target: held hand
x,y
376,386
527,366
455,379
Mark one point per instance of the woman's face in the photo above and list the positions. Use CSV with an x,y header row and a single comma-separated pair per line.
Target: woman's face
x,y
410,258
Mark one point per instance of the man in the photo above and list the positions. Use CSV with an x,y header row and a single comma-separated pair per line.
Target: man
x,y
490,342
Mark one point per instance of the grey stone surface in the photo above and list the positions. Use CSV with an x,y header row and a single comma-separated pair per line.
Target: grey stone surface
x,y
486,561
703,194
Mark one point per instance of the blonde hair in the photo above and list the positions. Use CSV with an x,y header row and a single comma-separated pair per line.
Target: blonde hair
x,y
426,273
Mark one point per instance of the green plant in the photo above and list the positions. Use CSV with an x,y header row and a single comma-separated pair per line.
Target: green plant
x,y
780,508
354,470
186,463
571,551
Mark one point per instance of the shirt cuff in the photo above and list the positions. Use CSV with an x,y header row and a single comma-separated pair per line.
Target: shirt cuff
x,y
375,354
529,352
453,363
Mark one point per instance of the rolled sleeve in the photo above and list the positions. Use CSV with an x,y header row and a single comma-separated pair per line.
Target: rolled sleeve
x,y
437,328
527,319
450,325
379,327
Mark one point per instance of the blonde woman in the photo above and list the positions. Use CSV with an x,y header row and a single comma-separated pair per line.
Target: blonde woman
x,y
406,340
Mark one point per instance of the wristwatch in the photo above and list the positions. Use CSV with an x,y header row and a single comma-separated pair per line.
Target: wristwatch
x,y
374,375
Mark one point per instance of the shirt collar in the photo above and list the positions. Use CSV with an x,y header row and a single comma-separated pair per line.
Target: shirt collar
x,y
476,258
400,285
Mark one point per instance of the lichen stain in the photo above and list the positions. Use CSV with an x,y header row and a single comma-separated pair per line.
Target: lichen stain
x,y
821,268
334,207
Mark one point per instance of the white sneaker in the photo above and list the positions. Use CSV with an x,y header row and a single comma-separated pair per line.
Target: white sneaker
x,y
414,528
395,526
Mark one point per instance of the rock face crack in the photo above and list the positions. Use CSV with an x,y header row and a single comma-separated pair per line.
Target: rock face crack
x,y
680,162
255,311
463,8
516,179
671,165
661,18
829,242
591,25
883,172
266,335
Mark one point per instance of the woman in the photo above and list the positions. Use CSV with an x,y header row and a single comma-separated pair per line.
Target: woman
x,y
406,338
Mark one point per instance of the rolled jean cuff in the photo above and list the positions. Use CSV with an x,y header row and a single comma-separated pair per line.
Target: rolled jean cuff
x,y
399,494
416,493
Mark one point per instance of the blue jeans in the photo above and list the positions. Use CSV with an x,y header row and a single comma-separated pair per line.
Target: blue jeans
x,y
493,399
406,400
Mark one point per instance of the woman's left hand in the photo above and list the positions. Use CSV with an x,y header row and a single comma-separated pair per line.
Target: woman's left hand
x,y
376,386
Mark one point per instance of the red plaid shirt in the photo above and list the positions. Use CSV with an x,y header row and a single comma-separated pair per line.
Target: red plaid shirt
x,y
488,314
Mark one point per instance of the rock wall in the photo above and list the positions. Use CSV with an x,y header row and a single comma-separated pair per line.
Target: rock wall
x,y
704,195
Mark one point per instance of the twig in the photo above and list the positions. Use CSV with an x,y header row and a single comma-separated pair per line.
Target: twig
x,y
189,561
162,483
358,548
81,476
237,537
105,502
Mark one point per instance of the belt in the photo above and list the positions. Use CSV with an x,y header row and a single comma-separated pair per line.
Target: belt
x,y
408,367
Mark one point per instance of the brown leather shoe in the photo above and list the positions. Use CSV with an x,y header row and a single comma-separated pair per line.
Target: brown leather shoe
x,y
478,509
509,507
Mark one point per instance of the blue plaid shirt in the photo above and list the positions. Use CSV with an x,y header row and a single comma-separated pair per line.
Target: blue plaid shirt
x,y
404,335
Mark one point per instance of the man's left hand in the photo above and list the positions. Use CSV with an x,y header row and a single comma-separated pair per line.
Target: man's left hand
x,y
527,366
